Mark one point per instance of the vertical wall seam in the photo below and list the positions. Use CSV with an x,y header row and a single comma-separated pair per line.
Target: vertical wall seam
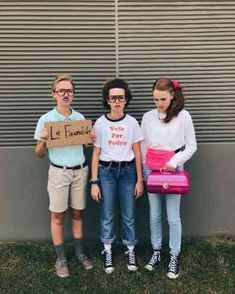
x,y
116,38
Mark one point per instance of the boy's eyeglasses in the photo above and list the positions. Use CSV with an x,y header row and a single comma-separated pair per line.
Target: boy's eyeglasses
x,y
62,92
115,98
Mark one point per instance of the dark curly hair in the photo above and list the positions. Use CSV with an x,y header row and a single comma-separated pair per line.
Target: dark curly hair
x,y
116,83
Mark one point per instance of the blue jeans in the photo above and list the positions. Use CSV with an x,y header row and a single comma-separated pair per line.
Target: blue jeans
x,y
173,218
118,183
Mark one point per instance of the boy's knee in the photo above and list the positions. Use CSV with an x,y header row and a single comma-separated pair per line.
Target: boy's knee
x,y
76,214
58,217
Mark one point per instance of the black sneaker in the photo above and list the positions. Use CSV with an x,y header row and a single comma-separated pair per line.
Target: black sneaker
x,y
108,261
132,264
154,260
173,267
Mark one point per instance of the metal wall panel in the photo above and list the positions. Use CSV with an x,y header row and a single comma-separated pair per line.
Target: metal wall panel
x,y
193,41
40,39
190,40
207,210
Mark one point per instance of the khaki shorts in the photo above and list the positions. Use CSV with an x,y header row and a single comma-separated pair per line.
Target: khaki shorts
x,y
67,188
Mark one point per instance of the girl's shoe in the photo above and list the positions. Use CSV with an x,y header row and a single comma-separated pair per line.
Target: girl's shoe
x,y
154,260
132,264
108,261
173,267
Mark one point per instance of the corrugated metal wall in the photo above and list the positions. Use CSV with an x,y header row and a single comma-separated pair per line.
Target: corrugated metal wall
x,y
40,39
193,41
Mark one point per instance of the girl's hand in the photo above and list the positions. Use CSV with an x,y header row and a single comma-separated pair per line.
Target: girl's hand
x,y
139,189
44,135
169,168
92,135
95,192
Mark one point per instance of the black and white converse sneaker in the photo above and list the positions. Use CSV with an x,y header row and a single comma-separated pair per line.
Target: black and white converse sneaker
x,y
108,261
154,260
132,264
173,267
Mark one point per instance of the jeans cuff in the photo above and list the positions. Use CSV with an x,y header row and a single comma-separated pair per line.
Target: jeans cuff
x,y
157,247
129,243
107,241
174,252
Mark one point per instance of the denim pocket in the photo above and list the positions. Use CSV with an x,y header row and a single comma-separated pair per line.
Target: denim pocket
x,y
106,172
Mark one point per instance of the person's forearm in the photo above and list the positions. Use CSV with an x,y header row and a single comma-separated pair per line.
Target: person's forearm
x,y
95,163
40,149
143,148
139,167
138,161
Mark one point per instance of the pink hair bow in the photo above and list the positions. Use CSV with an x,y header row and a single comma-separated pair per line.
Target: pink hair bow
x,y
176,84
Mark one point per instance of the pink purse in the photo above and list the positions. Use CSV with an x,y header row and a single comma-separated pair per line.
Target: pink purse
x,y
156,159
168,183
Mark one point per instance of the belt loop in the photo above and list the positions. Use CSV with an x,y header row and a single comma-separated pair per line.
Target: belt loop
x,y
110,164
119,164
64,168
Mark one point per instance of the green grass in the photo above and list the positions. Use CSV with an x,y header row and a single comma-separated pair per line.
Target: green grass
x,y
208,266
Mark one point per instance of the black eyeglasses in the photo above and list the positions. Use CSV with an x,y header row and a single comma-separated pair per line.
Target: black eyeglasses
x,y
114,98
62,92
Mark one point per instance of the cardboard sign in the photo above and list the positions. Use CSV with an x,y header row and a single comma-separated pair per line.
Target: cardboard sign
x,y
66,133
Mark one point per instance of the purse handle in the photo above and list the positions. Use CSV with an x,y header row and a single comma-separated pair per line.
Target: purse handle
x,y
166,173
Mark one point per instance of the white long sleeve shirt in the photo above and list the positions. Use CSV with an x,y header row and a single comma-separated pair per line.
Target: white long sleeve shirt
x,y
170,136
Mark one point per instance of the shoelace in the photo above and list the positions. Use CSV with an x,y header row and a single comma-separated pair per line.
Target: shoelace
x,y
131,256
173,263
62,265
108,257
155,257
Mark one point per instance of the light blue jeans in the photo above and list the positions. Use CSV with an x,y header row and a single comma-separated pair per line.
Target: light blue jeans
x,y
173,218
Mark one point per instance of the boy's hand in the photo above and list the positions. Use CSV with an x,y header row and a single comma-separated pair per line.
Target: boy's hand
x,y
44,135
139,189
95,192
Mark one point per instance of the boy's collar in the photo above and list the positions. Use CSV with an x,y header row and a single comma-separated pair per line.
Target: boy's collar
x,y
62,117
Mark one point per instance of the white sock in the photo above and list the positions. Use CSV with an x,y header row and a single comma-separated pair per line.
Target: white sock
x,y
107,247
130,247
